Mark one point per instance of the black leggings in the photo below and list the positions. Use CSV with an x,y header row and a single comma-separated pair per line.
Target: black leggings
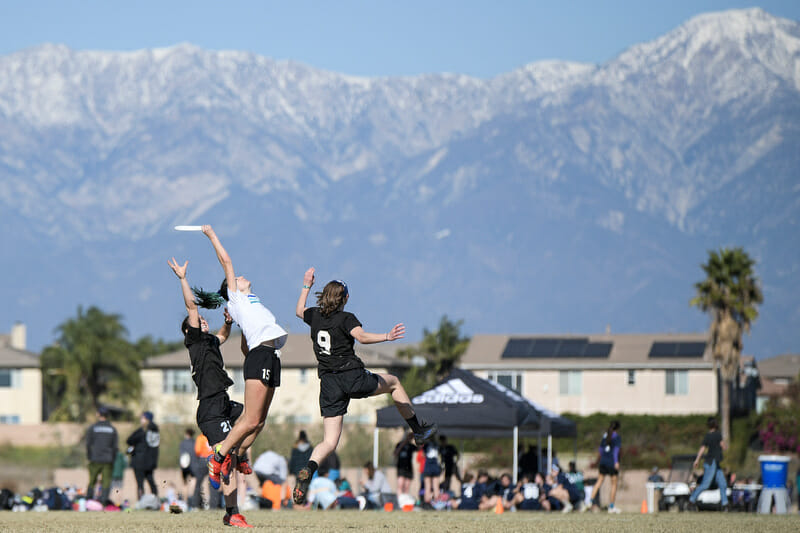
x,y
141,475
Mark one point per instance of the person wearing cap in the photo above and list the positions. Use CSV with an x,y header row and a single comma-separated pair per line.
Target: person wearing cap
x,y
101,451
143,447
342,374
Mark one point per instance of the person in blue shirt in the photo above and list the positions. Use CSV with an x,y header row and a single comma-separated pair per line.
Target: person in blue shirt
x,y
529,494
608,464
563,490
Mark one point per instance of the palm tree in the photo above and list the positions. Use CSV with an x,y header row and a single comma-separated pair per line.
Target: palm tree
x,y
91,358
441,350
730,293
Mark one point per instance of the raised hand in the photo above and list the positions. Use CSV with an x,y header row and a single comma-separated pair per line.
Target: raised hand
x,y
308,277
397,332
228,319
179,270
208,230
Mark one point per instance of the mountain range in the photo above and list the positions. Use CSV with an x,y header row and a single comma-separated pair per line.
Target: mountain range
x,y
560,197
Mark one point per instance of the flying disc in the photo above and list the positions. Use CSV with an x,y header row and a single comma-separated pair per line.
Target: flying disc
x,y
189,228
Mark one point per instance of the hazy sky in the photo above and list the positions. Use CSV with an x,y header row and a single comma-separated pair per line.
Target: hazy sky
x,y
379,37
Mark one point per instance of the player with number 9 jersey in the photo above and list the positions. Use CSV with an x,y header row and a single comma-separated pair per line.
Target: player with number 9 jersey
x,y
342,374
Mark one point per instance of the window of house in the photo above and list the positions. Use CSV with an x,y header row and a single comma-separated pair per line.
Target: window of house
x,y
177,381
570,382
237,375
303,376
508,378
9,419
10,378
677,382
631,377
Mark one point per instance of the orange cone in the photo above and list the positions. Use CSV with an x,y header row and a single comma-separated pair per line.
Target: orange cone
x,y
644,507
499,509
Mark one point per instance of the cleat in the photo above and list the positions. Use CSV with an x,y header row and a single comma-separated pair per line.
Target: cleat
x,y
428,432
614,510
243,466
301,487
216,469
226,469
235,520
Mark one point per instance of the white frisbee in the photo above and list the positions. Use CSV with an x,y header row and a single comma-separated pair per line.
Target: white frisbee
x,y
189,228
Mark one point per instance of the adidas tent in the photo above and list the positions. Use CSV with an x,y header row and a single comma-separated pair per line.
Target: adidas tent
x,y
466,406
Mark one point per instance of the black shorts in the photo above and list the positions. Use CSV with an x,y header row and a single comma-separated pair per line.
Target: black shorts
x,y
607,470
186,473
263,364
336,389
216,416
405,472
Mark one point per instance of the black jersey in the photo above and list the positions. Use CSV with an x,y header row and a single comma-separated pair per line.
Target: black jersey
x,y
333,344
208,369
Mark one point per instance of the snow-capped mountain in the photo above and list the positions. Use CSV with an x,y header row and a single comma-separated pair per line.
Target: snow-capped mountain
x,y
557,197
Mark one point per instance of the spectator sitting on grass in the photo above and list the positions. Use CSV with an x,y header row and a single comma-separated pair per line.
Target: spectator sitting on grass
x,y
322,491
471,494
500,490
563,490
374,486
528,494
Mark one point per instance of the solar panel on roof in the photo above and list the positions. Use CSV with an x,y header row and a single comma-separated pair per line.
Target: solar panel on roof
x,y
677,349
554,347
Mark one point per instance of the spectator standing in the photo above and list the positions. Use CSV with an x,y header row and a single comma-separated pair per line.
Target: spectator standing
x,y
301,452
101,451
186,459
608,464
449,456
143,446
200,470
431,473
404,452
712,447
118,472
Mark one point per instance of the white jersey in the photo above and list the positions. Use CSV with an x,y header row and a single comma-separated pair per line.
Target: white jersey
x,y
257,322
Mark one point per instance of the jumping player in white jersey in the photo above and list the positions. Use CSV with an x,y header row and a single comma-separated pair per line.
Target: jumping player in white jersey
x,y
216,412
262,337
342,374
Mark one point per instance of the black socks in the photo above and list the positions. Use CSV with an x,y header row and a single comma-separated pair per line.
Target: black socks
x,y
413,423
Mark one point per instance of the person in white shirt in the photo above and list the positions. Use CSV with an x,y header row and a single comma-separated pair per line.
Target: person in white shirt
x,y
271,466
375,485
262,337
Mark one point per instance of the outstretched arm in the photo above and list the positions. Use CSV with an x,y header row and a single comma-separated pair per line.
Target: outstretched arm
x,y
308,282
397,332
225,331
700,453
188,297
222,255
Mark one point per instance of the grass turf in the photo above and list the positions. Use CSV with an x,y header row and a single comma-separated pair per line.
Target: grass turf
x,y
334,521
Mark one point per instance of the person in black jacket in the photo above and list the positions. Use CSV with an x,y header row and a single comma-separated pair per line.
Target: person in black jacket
x,y
143,447
101,450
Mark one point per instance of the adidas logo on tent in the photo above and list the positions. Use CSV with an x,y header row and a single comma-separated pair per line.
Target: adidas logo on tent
x,y
452,391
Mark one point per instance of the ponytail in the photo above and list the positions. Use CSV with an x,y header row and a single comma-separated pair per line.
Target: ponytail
x,y
610,431
207,300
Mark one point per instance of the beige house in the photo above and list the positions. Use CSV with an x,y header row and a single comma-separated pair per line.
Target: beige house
x,y
20,380
776,374
169,392
660,374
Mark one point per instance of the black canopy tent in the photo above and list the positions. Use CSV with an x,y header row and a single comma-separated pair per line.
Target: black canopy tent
x,y
466,406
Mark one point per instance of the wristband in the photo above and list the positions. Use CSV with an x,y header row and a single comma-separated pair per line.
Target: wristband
x,y
229,323
306,286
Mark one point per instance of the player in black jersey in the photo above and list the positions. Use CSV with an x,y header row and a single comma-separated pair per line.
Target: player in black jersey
x,y
216,412
342,374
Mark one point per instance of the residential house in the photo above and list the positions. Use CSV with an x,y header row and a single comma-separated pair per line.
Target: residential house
x,y
659,374
776,374
20,380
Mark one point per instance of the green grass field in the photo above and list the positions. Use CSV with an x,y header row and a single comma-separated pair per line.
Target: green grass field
x,y
439,522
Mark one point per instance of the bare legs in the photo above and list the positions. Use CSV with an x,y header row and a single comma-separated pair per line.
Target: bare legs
x,y
331,433
257,399
389,384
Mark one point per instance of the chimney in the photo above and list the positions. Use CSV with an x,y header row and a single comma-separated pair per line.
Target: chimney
x,y
17,336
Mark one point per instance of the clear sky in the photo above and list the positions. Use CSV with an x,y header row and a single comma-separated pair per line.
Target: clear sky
x,y
374,38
